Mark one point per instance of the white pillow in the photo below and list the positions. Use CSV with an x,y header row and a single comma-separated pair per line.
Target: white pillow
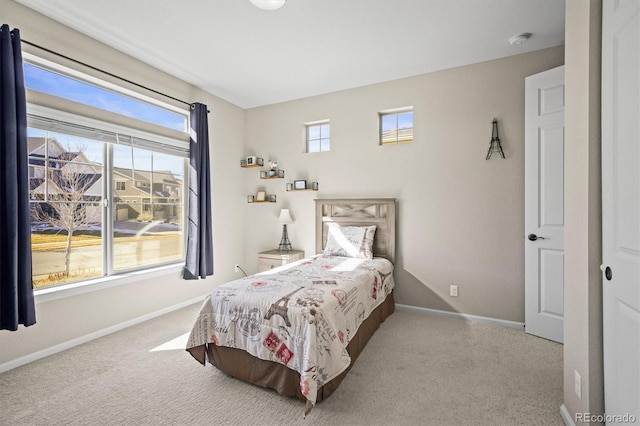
x,y
350,241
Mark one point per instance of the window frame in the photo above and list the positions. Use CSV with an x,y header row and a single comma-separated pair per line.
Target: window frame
x,y
49,107
319,124
395,112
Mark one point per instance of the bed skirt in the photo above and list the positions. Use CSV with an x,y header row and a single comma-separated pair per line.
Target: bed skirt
x,y
241,365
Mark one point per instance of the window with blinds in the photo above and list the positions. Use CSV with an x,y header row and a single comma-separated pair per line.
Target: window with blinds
x,y
107,189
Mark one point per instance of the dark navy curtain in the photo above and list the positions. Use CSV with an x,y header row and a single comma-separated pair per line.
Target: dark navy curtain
x,y
199,261
16,290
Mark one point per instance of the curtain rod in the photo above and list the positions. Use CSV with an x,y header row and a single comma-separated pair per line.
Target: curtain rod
x,y
106,72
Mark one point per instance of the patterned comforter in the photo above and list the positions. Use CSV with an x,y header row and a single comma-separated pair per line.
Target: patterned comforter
x,y
301,315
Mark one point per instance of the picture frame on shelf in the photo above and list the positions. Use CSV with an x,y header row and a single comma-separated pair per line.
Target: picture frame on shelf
x,y
261,196
299,184
272,198
243,163
289,187
314,186
263,174
251,160
281,173
250,198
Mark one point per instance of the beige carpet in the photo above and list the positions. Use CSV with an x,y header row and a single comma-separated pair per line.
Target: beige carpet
x,y
418,369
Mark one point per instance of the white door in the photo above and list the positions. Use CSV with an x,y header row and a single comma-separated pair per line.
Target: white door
x,y
544,204
621,207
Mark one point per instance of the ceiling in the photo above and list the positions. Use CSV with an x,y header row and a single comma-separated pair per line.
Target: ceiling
x,y
251,57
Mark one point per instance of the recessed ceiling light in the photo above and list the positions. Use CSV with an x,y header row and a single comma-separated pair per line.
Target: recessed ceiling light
x,y
268,4
520,38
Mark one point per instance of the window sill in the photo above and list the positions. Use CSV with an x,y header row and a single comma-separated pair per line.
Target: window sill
x,y
73,289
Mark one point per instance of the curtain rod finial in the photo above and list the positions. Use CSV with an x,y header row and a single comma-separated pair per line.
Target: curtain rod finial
x,y
193,105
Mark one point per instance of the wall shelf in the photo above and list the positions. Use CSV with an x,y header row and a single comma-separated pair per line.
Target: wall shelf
x,y
251,161
265,174
268,198
308,186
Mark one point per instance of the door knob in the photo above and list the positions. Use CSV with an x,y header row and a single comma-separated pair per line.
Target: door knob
x,y
608,273
533,237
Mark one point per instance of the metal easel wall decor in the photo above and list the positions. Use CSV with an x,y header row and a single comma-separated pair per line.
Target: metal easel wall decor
x,y
495,141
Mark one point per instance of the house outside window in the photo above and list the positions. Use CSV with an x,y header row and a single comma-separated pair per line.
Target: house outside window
x,y
396,126
318,136
105,198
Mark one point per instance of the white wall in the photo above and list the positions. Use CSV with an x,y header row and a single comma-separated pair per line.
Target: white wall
x,y
460,218
62,320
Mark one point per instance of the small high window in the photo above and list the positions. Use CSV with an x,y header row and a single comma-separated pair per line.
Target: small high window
x,y
396,126
318,137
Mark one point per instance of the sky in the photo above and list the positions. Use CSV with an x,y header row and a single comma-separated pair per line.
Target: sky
x,y
68,88
64,87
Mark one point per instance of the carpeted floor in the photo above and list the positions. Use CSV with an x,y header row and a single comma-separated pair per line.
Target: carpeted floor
x,y
418,369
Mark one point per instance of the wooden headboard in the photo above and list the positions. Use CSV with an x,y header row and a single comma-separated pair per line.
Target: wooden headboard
x,y
359,212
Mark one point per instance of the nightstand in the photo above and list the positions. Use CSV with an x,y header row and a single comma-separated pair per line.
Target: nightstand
x,y
273,258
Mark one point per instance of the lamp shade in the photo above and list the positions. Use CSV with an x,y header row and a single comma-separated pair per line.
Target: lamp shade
x,y
268,4
285,217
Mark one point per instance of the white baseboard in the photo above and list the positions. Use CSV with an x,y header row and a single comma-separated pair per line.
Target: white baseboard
x,y
566,417
468,317
91,336
100,333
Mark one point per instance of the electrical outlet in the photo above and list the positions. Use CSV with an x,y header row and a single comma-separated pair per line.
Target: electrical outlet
x,y
577,383
453,290
236,268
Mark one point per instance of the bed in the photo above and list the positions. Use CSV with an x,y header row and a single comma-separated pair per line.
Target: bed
x,y
299,328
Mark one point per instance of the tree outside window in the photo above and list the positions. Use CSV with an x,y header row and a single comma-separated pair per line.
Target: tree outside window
x,y
67,208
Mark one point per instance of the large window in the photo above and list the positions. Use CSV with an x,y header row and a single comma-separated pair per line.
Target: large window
x,y
396,126
105,198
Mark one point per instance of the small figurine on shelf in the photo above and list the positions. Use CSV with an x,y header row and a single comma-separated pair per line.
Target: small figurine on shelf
x,y
273,166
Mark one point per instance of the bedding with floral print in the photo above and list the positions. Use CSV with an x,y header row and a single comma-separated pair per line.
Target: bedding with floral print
x,y
304,321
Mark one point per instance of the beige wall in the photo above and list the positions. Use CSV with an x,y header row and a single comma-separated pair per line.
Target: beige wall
x,y
583,236
460,218
70,318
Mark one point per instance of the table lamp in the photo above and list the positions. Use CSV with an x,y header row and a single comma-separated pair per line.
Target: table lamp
x,y
284,219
